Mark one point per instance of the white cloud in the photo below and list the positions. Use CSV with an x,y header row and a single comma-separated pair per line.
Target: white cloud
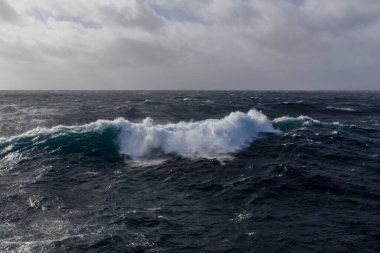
x,y
178,44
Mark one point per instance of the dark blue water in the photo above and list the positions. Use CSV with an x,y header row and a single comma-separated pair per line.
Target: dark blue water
x,y
88,172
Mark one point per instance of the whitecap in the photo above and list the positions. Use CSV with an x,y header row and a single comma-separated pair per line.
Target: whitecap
x,y
146,141
210,138
347,109
286,123
239,217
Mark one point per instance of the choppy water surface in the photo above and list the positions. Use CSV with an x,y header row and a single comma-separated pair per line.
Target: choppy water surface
x,y
147,171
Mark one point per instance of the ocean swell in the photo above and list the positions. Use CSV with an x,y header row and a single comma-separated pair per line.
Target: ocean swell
x,y
287,123
211,138
206,139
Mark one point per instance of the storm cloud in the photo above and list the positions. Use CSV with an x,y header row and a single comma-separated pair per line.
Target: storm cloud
x,y
198,44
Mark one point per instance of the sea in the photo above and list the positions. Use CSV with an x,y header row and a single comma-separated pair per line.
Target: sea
x,y
189,171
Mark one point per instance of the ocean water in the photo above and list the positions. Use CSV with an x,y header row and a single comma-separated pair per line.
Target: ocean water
x,y
176,171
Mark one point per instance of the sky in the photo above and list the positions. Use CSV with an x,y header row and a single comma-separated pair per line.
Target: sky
x,y
190,44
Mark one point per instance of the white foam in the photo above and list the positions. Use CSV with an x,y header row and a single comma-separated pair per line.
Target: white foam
x,y
210,138
303,120
347,109
9,161
239,217
97,126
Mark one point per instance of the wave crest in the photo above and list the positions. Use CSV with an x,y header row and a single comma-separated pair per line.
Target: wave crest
x,y
287,123
211,138
205,139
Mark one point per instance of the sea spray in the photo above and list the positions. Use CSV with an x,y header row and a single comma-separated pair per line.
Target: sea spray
x,y
209,138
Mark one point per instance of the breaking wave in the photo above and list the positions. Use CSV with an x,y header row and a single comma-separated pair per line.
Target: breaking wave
x,y
207,139
286,123
211,138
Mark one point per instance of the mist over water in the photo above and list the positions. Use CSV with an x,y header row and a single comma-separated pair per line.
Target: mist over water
x,y
223,171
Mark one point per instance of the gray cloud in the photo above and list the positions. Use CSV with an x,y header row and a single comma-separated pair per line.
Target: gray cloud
x,y
172,44
143,17
7,14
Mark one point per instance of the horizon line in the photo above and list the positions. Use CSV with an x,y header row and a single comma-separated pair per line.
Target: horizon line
x,y
250,90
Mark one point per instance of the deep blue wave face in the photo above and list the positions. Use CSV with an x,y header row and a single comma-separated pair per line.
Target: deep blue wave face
x,y
149,171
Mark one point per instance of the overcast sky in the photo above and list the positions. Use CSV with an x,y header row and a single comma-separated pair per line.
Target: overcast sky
x,y
190,44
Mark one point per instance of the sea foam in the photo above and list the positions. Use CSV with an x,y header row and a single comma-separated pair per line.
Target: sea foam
x,y
347,109
211,138
287,123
